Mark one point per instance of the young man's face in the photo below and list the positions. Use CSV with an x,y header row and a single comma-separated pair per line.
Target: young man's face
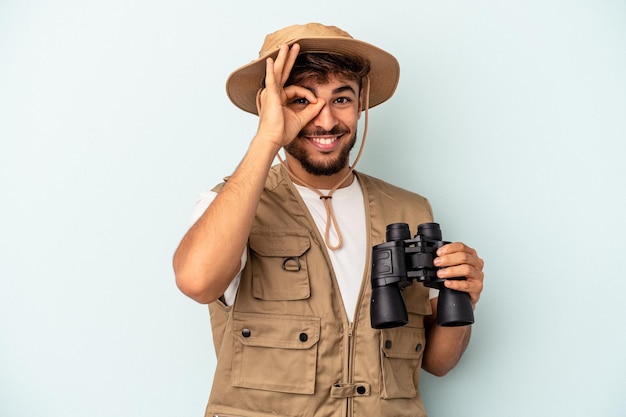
x,y
323,146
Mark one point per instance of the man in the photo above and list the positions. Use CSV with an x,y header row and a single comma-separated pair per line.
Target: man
x,y
282,253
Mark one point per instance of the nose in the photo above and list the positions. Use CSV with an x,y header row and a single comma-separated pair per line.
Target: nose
x,y
325,119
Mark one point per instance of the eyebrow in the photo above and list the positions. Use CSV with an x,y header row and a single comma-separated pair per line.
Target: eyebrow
x,y
337,90
344,88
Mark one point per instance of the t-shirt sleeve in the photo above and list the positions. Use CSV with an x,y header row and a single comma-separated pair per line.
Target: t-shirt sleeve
x,y
203,202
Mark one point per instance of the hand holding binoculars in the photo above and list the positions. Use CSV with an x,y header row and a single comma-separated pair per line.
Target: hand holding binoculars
x,y
399,261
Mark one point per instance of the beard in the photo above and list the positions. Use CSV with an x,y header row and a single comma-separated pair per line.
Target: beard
x,y
321,168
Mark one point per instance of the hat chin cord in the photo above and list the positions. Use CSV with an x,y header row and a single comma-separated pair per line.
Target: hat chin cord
x,y
331,220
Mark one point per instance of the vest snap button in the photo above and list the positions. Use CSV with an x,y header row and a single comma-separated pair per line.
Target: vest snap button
x,y
361,390
246,332
418,347
388,344
304,337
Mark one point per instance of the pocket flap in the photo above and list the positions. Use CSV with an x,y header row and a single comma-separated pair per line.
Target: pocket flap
x,y
402,343
276,331
279,242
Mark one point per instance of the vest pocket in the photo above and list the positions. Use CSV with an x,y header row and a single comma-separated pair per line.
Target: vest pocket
x,y
275,352
279,264
401,351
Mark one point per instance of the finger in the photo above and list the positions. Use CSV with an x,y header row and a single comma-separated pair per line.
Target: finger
x,y
474,289
279,62
272,93
269,73
455,247
461,271
289,63
294,91
283,63
277,70
459,285
458,258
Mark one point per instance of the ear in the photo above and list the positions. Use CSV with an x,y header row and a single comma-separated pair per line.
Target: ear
x,y
258,101
360,109
364,95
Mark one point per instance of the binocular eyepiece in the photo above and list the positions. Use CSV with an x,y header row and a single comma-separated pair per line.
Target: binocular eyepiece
x,y
399,261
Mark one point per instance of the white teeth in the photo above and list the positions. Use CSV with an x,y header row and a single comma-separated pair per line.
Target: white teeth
x,y
324,141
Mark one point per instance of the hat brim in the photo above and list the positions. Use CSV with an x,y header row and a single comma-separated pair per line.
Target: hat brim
x,y
244,83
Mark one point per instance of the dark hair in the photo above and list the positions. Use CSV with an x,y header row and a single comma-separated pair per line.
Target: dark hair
x,y
321,66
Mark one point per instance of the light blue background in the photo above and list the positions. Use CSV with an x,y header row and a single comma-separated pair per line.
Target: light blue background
x,y
509,116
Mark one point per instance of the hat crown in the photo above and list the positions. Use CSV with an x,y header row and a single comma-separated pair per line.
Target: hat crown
x,y
287,35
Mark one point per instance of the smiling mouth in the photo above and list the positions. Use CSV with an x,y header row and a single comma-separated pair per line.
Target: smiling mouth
x,y
324,141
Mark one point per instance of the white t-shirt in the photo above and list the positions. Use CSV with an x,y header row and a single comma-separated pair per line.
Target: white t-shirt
x,y
348,261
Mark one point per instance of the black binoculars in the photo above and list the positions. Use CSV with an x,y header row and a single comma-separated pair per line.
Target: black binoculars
x,y
399,261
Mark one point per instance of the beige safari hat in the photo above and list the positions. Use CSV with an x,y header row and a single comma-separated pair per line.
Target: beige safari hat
x,y
244,83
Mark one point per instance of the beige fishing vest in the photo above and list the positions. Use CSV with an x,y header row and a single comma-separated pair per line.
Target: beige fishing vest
x,y
286,347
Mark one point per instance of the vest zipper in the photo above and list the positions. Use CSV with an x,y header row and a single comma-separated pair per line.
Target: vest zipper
x,y
362,291
350,365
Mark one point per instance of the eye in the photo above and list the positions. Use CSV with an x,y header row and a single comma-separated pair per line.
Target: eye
x,y
343,100
300,100
299,103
